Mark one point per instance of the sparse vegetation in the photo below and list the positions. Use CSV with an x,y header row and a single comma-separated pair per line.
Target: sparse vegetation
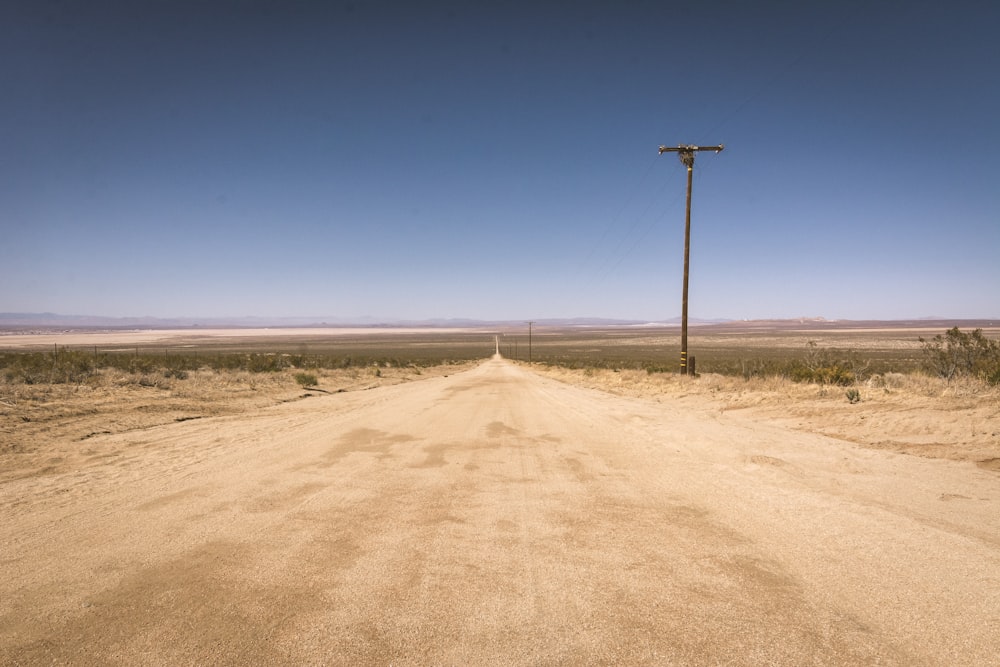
x,y
75,366
842,359
827,366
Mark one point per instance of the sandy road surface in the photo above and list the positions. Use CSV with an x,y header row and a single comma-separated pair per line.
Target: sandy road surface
x,y
497,517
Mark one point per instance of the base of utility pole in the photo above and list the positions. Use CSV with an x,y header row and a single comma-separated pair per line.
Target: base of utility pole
x,y
687,365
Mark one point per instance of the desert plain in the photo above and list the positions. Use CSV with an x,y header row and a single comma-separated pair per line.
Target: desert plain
x,y
484,510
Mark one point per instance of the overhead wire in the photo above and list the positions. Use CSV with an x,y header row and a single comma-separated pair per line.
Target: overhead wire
x,y
615,258
603,271
608,268
621,210
649,227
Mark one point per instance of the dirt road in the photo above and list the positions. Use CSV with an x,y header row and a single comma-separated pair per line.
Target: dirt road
x,y
497,517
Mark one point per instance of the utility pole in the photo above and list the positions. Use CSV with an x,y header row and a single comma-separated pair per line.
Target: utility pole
x,y
529,342
686,154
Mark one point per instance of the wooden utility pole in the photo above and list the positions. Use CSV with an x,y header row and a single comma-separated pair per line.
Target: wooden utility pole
x,y
686,154
529,342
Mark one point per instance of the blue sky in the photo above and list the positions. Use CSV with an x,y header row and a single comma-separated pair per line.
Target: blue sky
x,y
499,161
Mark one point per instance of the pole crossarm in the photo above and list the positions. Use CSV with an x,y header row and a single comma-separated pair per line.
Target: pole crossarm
x,y
684,148
686,152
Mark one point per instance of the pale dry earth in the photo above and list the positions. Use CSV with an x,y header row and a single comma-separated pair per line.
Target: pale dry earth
x,y
495,516
127,338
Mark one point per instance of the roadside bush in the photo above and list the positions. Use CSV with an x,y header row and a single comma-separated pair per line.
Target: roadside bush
x,y
834,373
264,363
142,365
824,367
957,353
306,380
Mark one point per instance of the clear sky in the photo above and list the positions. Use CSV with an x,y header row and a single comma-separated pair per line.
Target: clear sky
x,y
499,160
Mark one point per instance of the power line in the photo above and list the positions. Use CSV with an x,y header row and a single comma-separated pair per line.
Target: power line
x,y
610,259
617,247
614,220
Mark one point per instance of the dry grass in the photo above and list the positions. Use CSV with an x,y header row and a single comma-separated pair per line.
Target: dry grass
x,y
908,413
38,421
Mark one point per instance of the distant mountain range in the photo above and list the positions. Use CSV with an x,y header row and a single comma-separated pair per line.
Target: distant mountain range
x,y
20,321
54,320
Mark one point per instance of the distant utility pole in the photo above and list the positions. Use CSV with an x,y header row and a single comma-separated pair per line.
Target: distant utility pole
x,y
686,154
529,342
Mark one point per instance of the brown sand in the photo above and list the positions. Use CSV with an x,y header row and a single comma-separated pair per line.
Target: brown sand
x,y
495,516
